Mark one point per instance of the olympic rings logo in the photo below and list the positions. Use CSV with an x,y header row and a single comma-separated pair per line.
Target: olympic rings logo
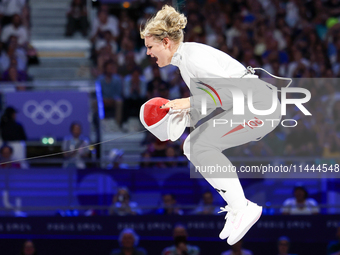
x,y
47,111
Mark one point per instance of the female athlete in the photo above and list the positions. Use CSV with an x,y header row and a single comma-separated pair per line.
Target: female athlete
x,y
163,37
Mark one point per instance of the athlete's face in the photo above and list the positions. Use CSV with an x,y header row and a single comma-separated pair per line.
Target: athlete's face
x,y
159,50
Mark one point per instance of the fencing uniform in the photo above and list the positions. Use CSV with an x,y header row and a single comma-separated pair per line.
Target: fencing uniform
x,y
248,104
204,146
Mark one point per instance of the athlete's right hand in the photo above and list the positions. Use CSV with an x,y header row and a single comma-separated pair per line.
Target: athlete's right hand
x,y
177,104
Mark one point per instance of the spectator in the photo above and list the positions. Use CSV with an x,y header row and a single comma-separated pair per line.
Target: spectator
x,y
148,66
122,205
73,146
104,55
26,17
181,246
176,83
127,26
11,130
154,86
171,155
13,56
10,8
6,153
283,245
207,205
16,29
134,93
169,205
107,40
300,203
111,86
158,149
236,249
28,248
146,155
126,58
155,148
13,134
104,22
234,31
128,240
126,46
333,247
77,18
147,14
163,90
299,64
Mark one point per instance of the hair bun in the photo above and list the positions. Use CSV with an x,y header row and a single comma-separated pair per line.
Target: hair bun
x,y
174,20
167,23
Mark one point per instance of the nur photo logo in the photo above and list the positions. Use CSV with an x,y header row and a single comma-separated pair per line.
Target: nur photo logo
x,y
204,100
244,98
239,100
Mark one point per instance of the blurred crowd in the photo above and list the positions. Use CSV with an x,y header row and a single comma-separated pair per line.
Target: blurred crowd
x,y
290,38
16,52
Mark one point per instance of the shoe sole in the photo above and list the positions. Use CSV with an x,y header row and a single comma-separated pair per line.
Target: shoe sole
x,y
245,230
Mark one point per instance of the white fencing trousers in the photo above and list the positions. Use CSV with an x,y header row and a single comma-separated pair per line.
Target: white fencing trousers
x,y
204,146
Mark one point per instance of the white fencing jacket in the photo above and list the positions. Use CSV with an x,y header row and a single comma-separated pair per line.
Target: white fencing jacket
x,y
198,61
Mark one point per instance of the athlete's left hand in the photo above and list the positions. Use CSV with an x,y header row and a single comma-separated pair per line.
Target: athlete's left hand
x,y
177,104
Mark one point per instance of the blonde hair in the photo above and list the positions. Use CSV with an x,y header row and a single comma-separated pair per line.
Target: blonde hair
x,y
167,23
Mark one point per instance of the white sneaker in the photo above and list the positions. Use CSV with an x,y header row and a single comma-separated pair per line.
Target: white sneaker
x,y
243,221
228,225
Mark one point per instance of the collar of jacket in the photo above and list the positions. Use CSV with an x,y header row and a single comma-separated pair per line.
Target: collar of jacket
x,y
177,57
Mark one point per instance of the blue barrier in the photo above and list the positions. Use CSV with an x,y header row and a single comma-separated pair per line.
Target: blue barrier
x,y
72,187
